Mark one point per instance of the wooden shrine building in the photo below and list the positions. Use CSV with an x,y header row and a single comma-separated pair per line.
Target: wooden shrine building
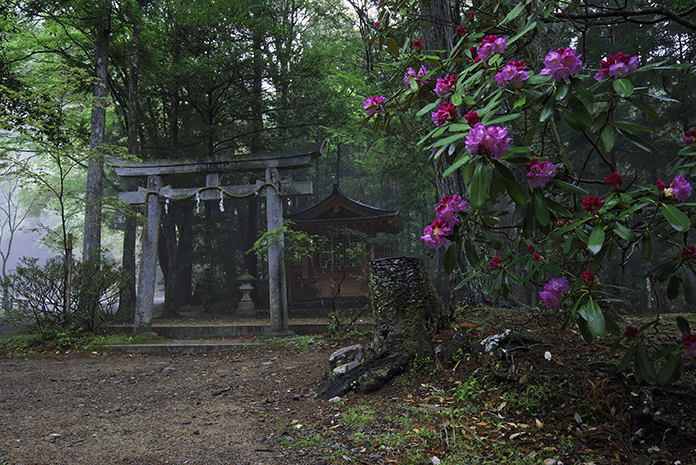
x,y
312,278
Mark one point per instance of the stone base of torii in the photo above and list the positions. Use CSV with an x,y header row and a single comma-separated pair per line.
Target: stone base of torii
x,y
273,189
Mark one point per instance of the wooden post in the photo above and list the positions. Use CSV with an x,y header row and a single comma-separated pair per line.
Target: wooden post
x,y
68,276
276,260
148,259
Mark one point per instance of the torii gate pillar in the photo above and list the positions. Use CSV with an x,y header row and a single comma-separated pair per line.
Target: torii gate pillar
x,y
148,259
277,285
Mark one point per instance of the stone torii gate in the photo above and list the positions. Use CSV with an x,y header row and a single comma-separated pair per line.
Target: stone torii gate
x,y
273,188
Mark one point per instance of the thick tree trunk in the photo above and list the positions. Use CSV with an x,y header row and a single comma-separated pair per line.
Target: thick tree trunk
x,y
406,308
93,194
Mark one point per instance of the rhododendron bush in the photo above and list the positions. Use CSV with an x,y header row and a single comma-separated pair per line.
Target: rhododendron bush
x,y
481,109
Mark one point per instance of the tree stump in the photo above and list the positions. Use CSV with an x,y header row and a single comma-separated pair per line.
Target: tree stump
x,y
405,308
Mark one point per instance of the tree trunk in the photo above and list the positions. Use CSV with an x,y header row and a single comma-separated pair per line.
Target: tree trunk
x,y
126,300
93,202
406,308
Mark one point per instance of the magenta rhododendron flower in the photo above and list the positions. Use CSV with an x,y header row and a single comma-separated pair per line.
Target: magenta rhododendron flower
x,y
445,112
377,24
417,46
460,31
679,190
553,292
472,118
530,248
617,66
689,344
688,252
689,137
434,234
373,105
495,263
588,278
490,46
417,76
471,15
446,85
615,181
490,140
562,64
539,173
513,73
449,205
592,204
537,257
631,332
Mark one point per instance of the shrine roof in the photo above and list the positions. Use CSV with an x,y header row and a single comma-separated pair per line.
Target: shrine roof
x,y
339,208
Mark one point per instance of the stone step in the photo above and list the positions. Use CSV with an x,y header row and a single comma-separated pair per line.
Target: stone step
x,y
171,347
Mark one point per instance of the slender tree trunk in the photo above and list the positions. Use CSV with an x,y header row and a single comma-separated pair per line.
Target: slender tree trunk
x,y
93,201
126,301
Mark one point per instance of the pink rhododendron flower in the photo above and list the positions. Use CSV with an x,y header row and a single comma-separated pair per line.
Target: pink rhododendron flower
x,y
471,15
688,252
679,190
446,85
631,332
417,76
537,257
472,118
539,173
530,248
377,24
689,137
689,344
615,181
490,46
460,31
617,66
553,292
417,46
490,140
434,234
373,105
495,263
592,204
446,112
562,64
588,278
513,73
449,205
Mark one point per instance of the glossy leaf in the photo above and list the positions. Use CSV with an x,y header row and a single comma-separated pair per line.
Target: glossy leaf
x,y
676,218
623,232
596,239
673,287
478,191
689,286
623,87
647,246
646,365
570,187
579,110
671,369
645,108
449,259
393,47
606,138
541,209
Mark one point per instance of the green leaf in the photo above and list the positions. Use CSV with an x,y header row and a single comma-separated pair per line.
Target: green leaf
x,y
646,365
514,189
626,359
594,316
579,110
671,369
623,87
478,191
426,109
596,239
632,127
645,108
541,208
679,221
647,247
683,325
471,253
449,259
528,28
673,287
570,187
582,89
623,232
393,47
548,108
462,158
606,138
514,13
689,287
456,99
572,121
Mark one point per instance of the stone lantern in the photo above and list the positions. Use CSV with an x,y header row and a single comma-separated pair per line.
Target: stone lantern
x,y
246,305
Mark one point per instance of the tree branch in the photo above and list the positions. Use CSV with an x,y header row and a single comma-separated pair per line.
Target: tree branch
x,y
663,14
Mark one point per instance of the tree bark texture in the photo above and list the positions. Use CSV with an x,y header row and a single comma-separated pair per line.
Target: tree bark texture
x,y
405,307
93,201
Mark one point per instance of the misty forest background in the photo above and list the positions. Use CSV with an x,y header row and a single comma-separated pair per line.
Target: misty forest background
x,y
219,78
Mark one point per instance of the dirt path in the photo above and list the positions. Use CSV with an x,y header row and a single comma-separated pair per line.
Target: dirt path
x,y
120,408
